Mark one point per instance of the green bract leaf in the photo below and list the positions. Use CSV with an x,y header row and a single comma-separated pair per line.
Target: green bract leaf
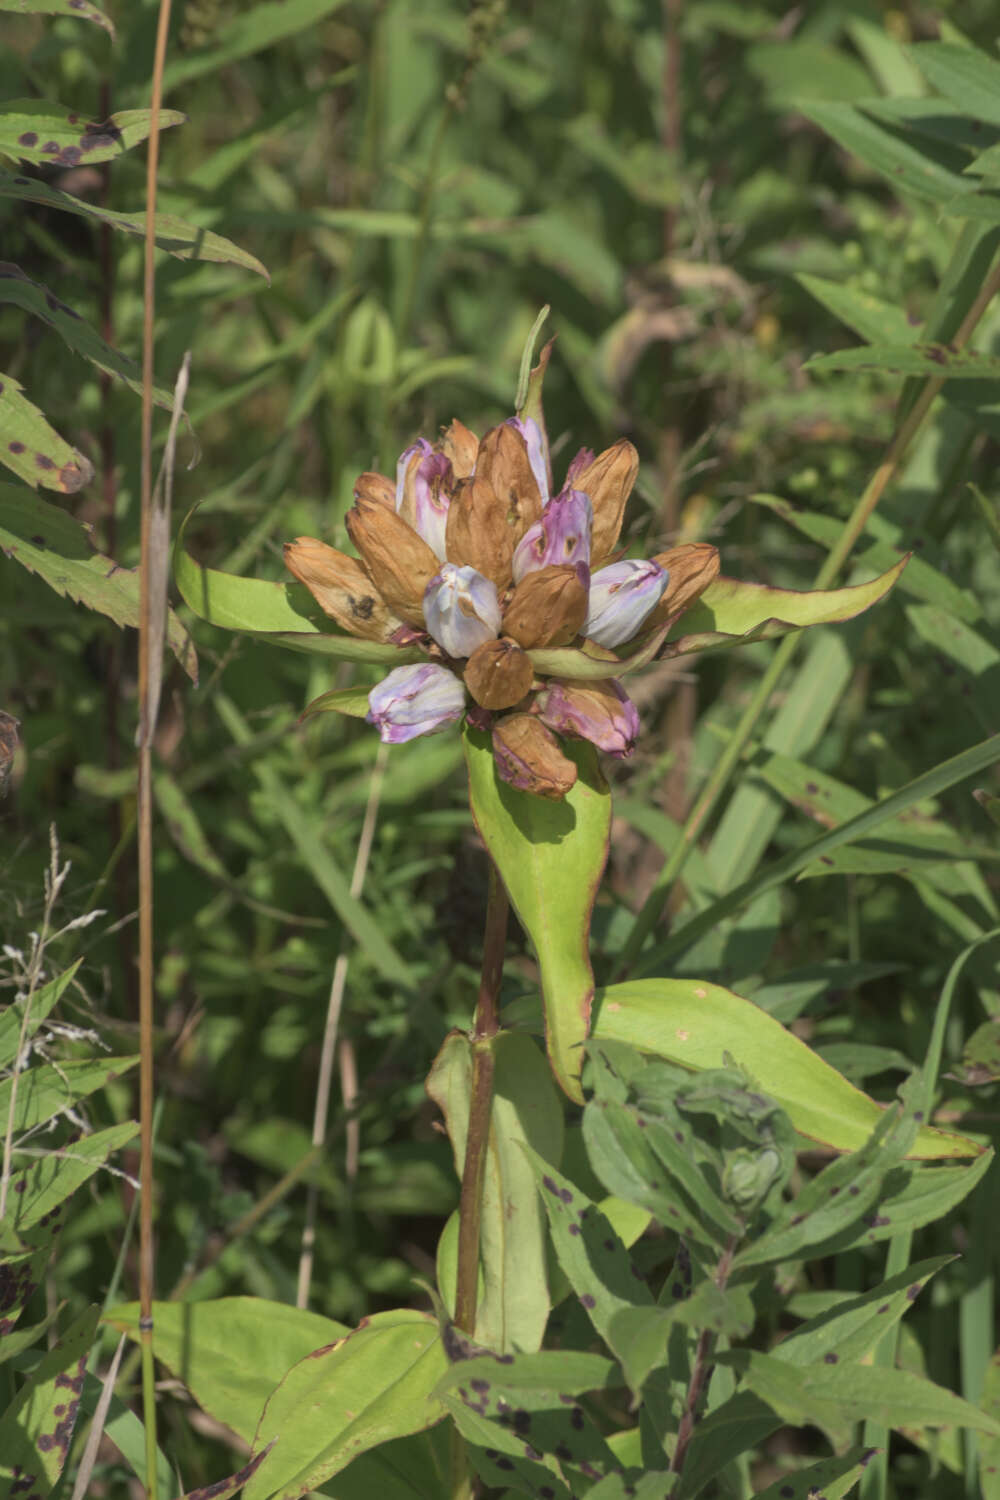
x,y
346,1398
285,613
47,541
352,701
37,1427
52,136
551,856
526,1111
732,613
185,241
33,449
81,10
694,1023
37,299
230,1352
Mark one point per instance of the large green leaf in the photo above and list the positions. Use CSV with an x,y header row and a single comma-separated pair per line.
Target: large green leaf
x,y
43,1187
966,76
284,613
43,1091
342,1400
185,241
82,339
831,1477
249,29
695,1024
33,449
526,1111
875,321
907,168
27,1014
47,541
37,1428
52,136
230,1352
551,857
932,360
80,10
732,613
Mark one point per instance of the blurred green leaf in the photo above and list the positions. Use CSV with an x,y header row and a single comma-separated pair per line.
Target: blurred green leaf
x,y
966,76
80,10
936,361
872,319
907,168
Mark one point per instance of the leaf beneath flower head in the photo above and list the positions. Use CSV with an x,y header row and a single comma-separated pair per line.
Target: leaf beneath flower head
x,y
732,613
285,613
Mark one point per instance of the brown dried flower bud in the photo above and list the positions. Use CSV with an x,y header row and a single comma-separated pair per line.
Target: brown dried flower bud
x,y
608,481
460,446
399,562
341,588
375,487
528,757
692,567
548,607
503,461
477,533
498,674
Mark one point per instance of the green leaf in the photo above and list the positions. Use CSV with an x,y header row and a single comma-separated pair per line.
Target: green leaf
x,y
989,1447
82,339
829,1394
185,241
352,701
342,1400
284,613
732,613
246,32
526,1111
43,1091
981,1055
33,449
47,541
966,76
954,638
37,1428
539,1380
80,10
695,1024
43,1187
39,1006
831,1477
230,1352
640,1335
907,168
550,856
876,321
52,136
932,360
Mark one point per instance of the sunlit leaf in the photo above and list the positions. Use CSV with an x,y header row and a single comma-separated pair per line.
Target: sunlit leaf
x,y
52,136
36,1430
33,449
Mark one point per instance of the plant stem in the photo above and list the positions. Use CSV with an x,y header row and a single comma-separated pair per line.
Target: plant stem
x,y
480,1104
699,1369
854,526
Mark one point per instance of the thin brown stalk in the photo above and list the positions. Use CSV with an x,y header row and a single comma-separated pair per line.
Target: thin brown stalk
x,y
699,1370
144,799
487,1024
321,1110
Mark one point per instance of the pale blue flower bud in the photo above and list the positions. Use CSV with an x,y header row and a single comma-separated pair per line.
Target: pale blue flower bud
x,y
561,536
461,609
621,596
414,700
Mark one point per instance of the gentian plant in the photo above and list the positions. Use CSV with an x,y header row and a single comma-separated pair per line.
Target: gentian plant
x,y
505,604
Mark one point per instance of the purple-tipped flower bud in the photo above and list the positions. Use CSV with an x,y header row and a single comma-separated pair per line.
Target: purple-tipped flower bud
x,y
414,700
579,465
535,445
461,610
621,596
425,496
416,450
601,712
561,536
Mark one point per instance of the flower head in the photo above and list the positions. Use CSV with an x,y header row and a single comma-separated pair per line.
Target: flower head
x,y
470,557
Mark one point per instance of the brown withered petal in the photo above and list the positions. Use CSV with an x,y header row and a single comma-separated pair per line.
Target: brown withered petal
x,y
608,481
503,461
692,567
528,757
460,446
375,487
498,674
477,534
547,608
341,588
400,563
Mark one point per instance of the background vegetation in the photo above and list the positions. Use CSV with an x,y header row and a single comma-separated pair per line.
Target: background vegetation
x,y
418,180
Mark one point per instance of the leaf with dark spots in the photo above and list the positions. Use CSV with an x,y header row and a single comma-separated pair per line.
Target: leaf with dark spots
x,y
30,447
69,564
83,10
32,1434
26,122
36,299
223,1487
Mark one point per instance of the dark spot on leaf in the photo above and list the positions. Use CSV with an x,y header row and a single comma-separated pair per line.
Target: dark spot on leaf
x,y
586,1300
918,1114
29,138
505,1359
831,1358
812,788
522,1421
854,1190
787,1489
480,1385
913,1292
679,1137
566,1195
884,1308
547,1492
825,859
576,1418
677,1291
609,1244
16,447
44,461
548,1184
505,1463
23,181
574,1229
533,1454
563,1452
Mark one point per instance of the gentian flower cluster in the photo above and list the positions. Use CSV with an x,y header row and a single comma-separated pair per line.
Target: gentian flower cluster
x,y
471,558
